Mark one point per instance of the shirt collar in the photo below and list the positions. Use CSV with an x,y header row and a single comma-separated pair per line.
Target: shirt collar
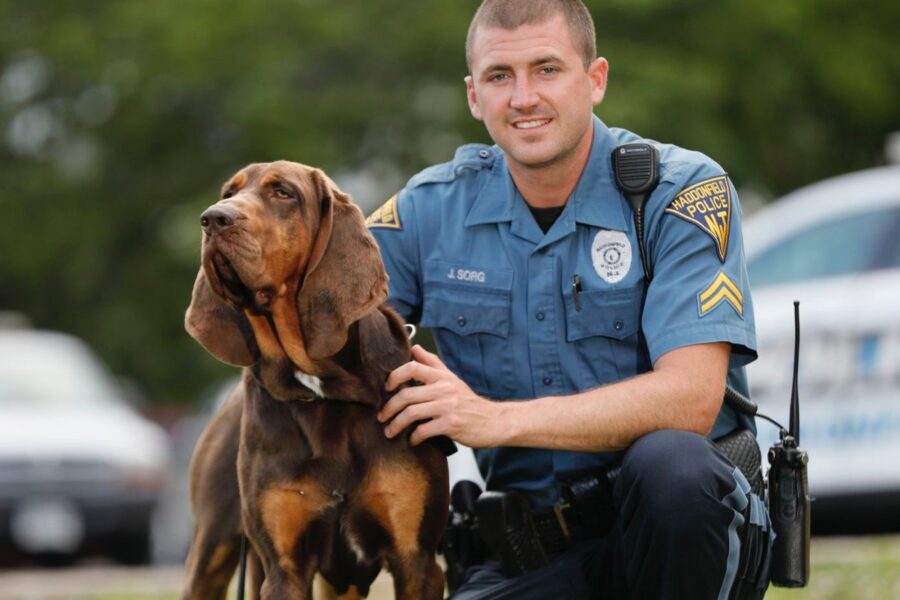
x,y
596,200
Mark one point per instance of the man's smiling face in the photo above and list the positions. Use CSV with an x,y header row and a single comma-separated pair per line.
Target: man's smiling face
x,y
530,87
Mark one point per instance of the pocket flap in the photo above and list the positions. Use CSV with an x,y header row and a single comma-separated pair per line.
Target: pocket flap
x,y
610,313
468,313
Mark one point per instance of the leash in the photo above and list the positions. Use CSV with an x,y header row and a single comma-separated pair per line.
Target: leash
x,y
242,567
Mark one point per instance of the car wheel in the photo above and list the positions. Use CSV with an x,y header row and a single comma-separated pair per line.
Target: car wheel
x,y
132,548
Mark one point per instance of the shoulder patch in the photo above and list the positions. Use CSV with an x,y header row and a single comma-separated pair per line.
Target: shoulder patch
x,y
722,289
707,205
386,215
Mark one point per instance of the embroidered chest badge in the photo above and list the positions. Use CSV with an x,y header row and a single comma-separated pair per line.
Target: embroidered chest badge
x,y
386,215
611,255
707,205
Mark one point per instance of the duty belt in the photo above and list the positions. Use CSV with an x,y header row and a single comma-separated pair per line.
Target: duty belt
x,y
526,539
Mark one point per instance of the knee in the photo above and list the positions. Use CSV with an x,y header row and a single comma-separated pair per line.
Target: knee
x,y
670,476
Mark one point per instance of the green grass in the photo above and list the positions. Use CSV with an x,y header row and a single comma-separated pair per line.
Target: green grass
x,y
849,568
842,569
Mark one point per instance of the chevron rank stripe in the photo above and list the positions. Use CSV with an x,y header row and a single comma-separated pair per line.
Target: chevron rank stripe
x,y
721,289
386,216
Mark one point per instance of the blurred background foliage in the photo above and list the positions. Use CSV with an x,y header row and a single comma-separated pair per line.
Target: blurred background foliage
x,y
119,121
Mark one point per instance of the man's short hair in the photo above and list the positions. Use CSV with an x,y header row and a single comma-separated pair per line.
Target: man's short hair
x,y
511,14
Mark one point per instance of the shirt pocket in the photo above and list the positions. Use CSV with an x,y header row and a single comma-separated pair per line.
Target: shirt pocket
x,y
470,318
605,327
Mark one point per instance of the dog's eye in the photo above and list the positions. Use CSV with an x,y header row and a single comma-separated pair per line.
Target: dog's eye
x,y
228,193
284,191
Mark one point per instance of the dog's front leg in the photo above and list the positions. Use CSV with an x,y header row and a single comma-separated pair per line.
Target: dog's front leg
x,y
276,526
278,507
417,577
408,502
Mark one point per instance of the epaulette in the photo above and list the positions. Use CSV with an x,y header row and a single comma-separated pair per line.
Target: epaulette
x,y
468,157
678,163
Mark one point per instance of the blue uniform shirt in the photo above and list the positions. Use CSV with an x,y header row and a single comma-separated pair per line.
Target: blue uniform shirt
x,y
466,258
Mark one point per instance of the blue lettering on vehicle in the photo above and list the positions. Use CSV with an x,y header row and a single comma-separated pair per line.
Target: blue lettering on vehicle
x,y
853,428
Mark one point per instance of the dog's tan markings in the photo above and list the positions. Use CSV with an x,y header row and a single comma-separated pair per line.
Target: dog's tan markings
x,y
286,513
395,495
284,315
208,574
351,594
322,590
266,340
287,322
220,557
270,178
237,182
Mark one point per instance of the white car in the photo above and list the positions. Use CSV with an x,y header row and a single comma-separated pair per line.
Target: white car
x,y
835,247
80,470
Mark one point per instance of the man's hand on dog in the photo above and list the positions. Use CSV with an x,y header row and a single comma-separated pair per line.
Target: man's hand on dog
x,y
442,405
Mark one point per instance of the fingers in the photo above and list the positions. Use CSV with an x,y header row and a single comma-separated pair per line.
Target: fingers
x,y
407,397
411,371
425,430
421,407
425,357
430,409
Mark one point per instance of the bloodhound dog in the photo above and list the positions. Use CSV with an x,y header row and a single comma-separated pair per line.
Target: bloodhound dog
x,y
292,288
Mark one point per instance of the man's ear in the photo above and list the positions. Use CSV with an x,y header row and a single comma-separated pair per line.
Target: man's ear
x,y
598,72
472,98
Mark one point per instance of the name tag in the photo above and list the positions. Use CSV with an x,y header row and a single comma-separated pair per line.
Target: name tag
x,y
477,276
470,275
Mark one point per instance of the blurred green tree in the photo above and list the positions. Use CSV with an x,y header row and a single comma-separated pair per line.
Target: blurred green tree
x,y
121,119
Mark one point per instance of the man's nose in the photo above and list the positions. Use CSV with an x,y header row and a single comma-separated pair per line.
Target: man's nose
x,y
524,94
217,218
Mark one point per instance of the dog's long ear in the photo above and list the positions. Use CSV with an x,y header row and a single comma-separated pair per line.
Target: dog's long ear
x,y
344,278
223,331
383,342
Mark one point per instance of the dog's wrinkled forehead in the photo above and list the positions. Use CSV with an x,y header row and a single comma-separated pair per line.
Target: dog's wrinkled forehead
x,y
294,178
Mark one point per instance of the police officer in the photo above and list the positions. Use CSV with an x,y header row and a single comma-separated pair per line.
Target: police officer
x,y
557,358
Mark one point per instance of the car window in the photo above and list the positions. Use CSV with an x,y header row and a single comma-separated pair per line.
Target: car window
x,y
29,389
850,244
889,257
49,377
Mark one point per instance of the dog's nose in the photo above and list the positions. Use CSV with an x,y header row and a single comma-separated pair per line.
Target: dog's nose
x,y
216,219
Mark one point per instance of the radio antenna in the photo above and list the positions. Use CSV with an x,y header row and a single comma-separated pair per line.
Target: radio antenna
x,y
795,400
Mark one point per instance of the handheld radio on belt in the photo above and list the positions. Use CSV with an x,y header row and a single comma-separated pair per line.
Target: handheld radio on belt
x,y
636,168
789,492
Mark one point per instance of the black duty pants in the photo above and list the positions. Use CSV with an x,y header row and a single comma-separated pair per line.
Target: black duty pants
x,y
688,527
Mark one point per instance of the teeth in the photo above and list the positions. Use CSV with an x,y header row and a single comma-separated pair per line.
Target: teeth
x,y
531,124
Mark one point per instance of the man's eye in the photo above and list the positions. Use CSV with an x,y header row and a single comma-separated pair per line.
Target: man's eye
x,y
548,70
497,77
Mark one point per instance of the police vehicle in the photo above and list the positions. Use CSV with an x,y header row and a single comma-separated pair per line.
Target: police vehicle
x,y
835,247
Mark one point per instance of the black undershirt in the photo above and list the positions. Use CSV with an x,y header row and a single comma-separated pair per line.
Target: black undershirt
x,y
546,217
